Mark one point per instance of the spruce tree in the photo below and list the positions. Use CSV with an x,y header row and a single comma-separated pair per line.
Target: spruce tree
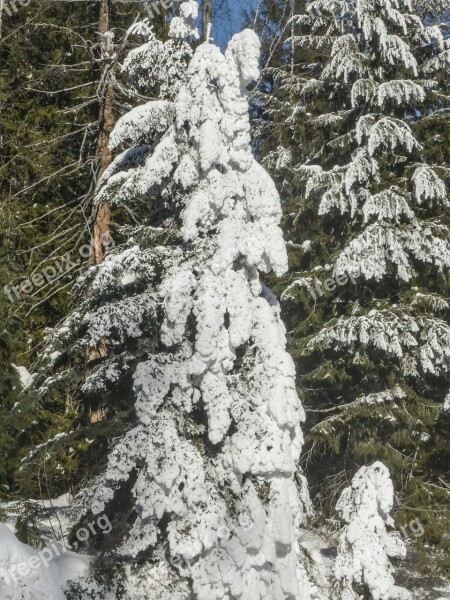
x,y
365,184
201,482
60,88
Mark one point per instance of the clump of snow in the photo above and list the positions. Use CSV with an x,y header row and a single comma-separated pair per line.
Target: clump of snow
x,y
142,123
163,63
25,377
185,26
446,407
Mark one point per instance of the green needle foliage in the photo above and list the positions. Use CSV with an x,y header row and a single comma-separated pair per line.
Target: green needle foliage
x,y
355,129
51,90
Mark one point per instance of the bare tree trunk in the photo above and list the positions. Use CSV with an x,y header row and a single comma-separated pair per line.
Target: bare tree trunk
x,y
206,19
102,214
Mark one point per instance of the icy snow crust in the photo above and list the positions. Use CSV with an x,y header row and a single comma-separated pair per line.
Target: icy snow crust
x,y
231,505
365,545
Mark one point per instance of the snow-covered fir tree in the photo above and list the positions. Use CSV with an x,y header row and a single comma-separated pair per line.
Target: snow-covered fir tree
x,y
365,176
197,393
71,414
366,546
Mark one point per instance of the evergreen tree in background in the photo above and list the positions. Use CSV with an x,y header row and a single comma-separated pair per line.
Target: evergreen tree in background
x,y
40,157
11,342
60,90
272,101
82,402
360,153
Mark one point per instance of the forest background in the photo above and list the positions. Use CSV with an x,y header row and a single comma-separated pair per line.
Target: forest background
x,y
61,92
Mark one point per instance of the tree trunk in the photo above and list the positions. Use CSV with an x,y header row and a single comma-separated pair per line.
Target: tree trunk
x,y
102,214
2,6
206,19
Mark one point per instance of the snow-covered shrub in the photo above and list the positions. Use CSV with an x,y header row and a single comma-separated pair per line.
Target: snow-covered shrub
x,y
366,546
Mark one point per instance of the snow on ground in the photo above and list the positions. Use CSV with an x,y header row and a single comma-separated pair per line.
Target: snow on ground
x,y
58,565
318,549
421,586
29,574
54,516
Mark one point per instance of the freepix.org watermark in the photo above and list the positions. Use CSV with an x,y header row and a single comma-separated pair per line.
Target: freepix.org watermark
x,y
44,557
11,7
55,270
330,284
155,8
412,529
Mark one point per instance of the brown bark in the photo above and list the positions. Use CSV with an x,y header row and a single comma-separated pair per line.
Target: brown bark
x,y
206,18
101,214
